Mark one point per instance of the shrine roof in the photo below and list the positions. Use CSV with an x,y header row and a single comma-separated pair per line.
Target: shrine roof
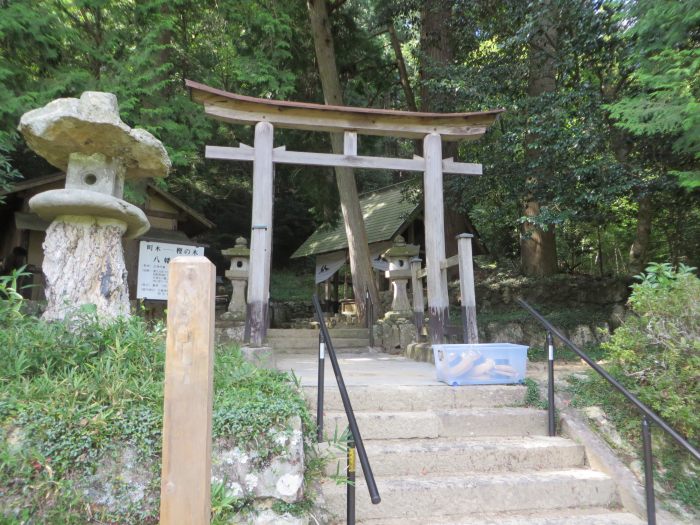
x,y
384,211
241,109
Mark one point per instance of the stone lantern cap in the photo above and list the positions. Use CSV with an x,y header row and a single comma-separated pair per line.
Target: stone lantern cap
x,y
239,250
90,125
401,249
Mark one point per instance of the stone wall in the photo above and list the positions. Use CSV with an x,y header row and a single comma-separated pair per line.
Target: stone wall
x,y
291,314
394,334
122,479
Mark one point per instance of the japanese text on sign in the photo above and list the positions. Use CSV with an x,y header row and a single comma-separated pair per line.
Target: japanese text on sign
x,y
153,267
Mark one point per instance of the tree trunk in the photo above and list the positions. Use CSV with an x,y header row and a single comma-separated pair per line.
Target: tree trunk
x,y
358,248
401,66
640,247
538,249
437,52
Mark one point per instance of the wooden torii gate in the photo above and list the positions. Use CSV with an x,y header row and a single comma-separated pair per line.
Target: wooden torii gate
x,y
433,128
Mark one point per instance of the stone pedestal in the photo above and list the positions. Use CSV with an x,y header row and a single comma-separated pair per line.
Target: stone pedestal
x,y
400,301
93,245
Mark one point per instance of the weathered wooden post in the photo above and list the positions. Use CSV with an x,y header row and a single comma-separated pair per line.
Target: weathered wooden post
x,y
435,238
417,293
187,406
466,288
261,235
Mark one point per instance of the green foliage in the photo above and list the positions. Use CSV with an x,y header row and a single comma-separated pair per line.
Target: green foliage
x,y
656,355
72,394
665,97
292,285
657,349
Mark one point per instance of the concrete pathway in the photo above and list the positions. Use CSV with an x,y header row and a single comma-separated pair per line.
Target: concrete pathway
x,y
386,369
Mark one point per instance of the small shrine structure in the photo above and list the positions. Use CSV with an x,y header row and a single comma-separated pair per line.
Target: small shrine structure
x,y
265,114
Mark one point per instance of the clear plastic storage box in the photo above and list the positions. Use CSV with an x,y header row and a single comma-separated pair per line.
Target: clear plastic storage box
x,y
480,364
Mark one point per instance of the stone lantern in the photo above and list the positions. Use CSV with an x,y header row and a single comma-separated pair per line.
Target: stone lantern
x,y
239,256
83,255
399,257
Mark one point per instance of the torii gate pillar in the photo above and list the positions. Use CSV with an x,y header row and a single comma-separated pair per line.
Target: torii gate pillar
x,y
434,218
261,235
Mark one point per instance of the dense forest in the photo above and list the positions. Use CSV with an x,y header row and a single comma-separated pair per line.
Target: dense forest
x,y
594,167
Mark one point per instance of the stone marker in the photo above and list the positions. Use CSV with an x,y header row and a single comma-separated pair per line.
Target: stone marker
x,y
83,255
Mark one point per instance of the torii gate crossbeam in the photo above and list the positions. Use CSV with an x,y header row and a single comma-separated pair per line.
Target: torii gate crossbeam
x,y
266,114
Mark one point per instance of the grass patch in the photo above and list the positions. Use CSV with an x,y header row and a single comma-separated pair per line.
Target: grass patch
x,y
673,467
71,396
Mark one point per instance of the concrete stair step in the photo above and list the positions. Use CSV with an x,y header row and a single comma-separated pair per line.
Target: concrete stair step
x,y
311,345
313,333
398,457
586,516
471,422
414,397
441,495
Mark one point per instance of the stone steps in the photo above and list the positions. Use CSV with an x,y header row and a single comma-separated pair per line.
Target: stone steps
x,y
413,398
468,455
313,333
429,424
305,341
438,495
588,516
399,457
298,345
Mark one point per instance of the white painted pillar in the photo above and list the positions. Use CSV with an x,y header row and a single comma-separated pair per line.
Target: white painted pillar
x,y
261,235
466,288
438,304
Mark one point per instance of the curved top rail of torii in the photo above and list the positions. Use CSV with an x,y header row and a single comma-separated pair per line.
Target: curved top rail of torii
x,y
241,109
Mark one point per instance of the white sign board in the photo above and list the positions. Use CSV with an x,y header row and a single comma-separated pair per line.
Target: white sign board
x,y
153,267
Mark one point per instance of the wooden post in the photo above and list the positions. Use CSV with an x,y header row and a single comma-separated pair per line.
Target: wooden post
x,y
187,406
435,238
466,288
417,293
261,235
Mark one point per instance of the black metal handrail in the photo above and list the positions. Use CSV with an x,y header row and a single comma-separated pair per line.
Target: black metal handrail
x,y
369,316
354,438
647,414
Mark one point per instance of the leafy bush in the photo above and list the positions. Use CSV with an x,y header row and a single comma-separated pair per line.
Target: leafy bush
x,y
656,351
656,355
72,393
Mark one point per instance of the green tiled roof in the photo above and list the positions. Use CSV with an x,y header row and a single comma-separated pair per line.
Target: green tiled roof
x,y
385,211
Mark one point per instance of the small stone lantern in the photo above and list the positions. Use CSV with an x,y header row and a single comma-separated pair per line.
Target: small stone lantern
x,y
239,256
399,257
83,255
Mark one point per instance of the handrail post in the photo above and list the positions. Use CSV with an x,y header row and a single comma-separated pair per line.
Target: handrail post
x,y
550,384
653,417
351,479
648,472
369,313
352,421
321,386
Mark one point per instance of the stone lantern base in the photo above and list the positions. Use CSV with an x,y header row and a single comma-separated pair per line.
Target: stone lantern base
x,y
84,264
